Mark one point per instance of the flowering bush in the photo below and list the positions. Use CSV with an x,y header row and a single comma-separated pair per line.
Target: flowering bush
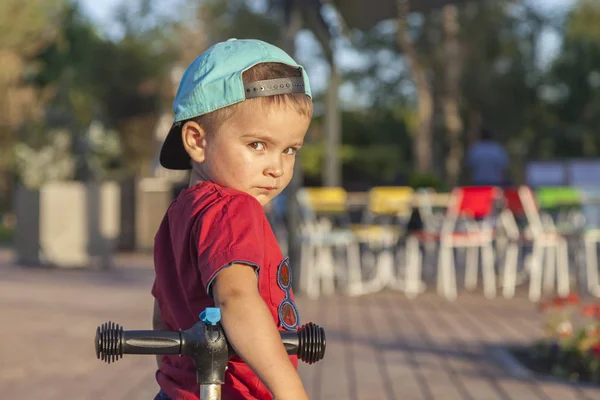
x,y
57,160
571,348
52,162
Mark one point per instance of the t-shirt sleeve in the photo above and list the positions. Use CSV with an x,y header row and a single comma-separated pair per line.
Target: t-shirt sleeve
x,y
229,232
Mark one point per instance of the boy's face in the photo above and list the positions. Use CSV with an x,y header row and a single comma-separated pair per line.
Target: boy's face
x,y
254,150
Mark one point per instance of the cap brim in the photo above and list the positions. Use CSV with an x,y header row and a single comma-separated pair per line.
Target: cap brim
x,y
172,152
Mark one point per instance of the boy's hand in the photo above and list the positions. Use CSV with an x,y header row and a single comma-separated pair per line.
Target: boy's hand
x,y
250,329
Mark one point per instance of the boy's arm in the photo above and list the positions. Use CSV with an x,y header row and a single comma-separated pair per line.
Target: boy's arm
x,y
252,332
158,325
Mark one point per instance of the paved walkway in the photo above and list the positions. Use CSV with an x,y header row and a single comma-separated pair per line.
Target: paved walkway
x,y
379,347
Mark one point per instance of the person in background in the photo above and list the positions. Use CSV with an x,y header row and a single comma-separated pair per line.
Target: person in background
x,y
488,161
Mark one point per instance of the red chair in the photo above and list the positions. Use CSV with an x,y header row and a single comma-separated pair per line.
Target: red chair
x,y
468,225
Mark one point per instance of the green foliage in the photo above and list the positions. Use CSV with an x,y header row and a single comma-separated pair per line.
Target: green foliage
x,y
583,23
312,157
381,142
376,126
539,111
574,86
237,19
571,349
501,74
376,146
427,181
375,163
6,234
26,26
119,83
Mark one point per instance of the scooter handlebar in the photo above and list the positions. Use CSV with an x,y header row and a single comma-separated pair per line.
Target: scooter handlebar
x,y
112,342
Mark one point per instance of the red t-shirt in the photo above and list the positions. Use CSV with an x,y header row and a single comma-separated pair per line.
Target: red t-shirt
x,y
207,228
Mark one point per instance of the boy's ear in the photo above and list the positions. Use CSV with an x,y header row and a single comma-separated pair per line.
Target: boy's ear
x,y
194,140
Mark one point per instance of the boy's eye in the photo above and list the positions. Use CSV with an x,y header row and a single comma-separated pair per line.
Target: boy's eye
x,y
259,146
290,151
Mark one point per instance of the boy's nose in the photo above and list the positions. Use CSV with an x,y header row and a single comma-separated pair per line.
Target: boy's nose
x,y
275,168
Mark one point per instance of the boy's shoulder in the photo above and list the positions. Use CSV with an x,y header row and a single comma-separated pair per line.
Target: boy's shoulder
x,y
210,197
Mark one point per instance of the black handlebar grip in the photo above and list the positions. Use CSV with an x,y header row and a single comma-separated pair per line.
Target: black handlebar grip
x,y
112,342
308,343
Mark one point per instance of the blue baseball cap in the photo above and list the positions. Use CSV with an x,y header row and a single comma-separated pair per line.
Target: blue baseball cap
x,y
214,81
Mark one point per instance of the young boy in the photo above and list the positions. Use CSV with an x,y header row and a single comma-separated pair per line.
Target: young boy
x,y
241,112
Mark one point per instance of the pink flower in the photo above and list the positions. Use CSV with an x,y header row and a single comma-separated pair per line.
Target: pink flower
x,y
560,302
592,311
573,298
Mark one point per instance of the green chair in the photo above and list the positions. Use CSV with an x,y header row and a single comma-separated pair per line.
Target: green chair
x,y
558,197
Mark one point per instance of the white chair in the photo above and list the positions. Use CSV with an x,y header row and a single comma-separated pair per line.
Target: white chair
x,y
548,245
427,235
472,207
591,237
591,240
319,241
380,231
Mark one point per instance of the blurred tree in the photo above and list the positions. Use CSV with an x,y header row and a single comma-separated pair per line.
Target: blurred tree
x,y
126,83
118,83
242,20
451,96
539,111
572,92
376,148
26,28
485,72
423,132
502,74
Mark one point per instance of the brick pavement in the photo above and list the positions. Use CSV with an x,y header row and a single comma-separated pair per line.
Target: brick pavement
x,y
381,346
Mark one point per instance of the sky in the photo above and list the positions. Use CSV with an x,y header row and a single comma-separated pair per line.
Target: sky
x,y
101,12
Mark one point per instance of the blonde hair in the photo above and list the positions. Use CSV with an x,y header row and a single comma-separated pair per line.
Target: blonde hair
x,y
299,102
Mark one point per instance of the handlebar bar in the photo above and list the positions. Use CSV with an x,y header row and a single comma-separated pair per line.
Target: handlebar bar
x,y
112,342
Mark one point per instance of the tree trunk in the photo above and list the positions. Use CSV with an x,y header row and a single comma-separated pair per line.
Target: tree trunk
x,y
475,123
293,208
332,171
332,176
450,101
422,140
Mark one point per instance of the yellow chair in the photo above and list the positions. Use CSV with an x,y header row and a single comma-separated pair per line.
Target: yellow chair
x,y
380,231
390,202
325,199
396,200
